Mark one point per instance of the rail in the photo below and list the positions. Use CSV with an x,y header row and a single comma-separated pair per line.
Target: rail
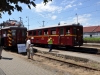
x,y
70,63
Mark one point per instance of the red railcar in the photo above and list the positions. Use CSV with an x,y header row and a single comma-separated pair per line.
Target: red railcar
x,y
62,35
13,34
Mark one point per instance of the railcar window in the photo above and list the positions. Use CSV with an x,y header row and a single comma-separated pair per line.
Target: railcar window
x,y
4,34
40,32
68,30
74,30
53,31
13,32
61,31
34,33
30,32
45,32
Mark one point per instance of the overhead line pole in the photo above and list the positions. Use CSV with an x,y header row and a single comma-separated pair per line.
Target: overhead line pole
x,y
20,19
43,23
28,22
77,18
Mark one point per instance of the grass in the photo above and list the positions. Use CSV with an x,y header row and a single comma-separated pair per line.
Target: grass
x,y
92,39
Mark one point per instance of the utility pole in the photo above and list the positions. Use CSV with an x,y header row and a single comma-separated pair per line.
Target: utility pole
x,y
43,23
28,22
20,19
77,18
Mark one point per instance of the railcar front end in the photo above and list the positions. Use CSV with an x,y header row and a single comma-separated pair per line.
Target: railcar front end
x,y
13,36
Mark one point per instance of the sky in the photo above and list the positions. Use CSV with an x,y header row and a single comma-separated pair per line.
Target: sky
x,y
85,12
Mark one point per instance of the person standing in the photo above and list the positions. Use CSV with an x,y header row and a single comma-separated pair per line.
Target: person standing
x,y
50,42
31,51
28,43
1,45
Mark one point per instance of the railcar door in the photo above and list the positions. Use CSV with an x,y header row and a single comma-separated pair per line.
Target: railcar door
x,y
18,36
21,36
61,38
78,35
24,35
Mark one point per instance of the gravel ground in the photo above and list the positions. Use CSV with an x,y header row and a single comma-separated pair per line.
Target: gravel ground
x,y
68,68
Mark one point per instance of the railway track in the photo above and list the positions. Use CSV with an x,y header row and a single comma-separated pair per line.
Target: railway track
x,y
72,64
83,49
87,49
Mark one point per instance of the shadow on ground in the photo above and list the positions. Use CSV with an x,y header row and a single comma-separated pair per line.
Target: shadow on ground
x,y
81,49
6,58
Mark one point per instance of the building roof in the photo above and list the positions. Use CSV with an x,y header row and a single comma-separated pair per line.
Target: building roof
x,y
91,29
97,29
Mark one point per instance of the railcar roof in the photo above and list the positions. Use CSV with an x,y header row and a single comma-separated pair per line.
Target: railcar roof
x,y
11,27
55,26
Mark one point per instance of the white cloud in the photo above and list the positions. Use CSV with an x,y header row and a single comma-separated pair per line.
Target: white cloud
x,y
72,1
80,4
54,17
67,2
74,5
82,19
44,9
42,15
63,22
75,9
68,6
98,2
64,2
49,7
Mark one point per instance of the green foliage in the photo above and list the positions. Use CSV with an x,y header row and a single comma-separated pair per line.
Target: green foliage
x,y
11,5
92,39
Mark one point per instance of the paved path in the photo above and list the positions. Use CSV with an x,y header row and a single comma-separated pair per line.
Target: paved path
x,y
1,72
16,65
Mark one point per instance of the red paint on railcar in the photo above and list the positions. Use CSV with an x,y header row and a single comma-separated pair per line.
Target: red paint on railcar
x,y
63,35
13,35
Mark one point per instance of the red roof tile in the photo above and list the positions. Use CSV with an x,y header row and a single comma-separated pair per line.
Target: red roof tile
x,y
97,29
91,29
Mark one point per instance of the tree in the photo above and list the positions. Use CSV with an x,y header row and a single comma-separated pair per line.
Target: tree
x,y
11,5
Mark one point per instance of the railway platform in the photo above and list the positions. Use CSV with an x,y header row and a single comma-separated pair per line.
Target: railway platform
x,y
71,55
91,44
